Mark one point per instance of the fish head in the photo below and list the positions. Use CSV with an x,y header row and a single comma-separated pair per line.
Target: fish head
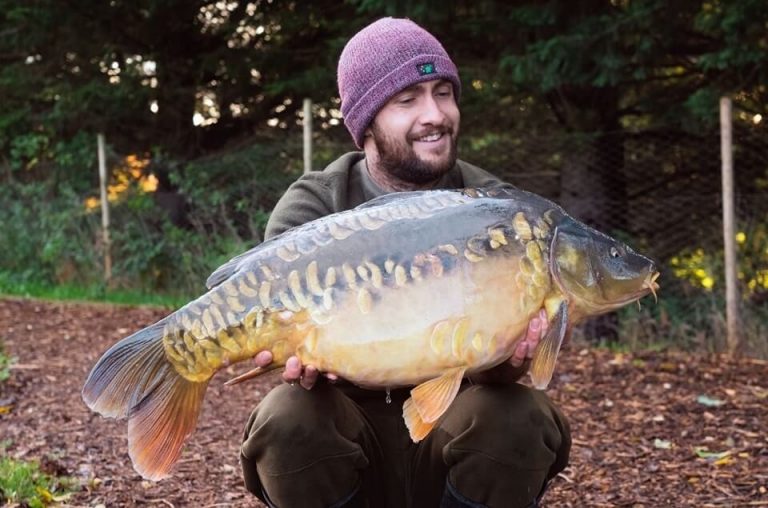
x,y
597,273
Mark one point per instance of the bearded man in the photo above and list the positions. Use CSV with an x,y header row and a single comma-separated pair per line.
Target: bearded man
x,y
317,441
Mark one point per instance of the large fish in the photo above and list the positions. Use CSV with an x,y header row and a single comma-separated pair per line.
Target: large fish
x,y
411,289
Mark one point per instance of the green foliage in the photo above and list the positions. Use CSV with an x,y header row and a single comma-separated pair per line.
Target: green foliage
x,y
56,241
28,149
47,231
233,194
23,483
5,364
705,267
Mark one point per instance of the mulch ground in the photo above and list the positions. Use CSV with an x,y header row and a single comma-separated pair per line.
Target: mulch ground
x,y
649,429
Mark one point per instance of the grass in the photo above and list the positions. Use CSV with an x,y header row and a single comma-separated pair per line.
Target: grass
x,y
5,364
92,293
23,483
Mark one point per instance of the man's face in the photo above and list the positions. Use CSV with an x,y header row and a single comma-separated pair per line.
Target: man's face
x,y
415,133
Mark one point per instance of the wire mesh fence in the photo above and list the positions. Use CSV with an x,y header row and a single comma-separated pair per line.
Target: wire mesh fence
x,y
661,192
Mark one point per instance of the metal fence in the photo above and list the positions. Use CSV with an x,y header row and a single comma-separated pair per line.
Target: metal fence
x,y
662,192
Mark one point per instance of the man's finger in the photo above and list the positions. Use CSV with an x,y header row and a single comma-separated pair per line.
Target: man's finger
x,y
518,357
309,378
263,358
292,372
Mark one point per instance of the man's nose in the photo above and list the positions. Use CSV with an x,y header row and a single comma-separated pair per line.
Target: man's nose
x,y
432,113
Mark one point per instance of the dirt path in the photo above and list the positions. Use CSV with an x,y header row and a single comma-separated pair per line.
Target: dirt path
x,y
638,421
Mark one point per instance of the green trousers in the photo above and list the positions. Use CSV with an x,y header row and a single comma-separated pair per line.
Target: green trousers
x,y
497,445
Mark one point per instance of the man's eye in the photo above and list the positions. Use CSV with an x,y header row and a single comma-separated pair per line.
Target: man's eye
x,y
405,100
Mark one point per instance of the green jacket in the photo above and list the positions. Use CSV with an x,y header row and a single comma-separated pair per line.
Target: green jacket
x,y
345,184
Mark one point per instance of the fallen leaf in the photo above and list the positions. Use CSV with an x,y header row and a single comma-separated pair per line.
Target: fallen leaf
x,y
45,494
662,443
724,461
618,359
704,453
668,366
709,401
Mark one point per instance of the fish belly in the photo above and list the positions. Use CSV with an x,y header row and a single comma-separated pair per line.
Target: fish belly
x,y
470,319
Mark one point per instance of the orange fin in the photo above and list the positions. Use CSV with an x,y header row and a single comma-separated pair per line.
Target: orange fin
x,y
433,397
134,379
258,371
417,428
159,426
545,356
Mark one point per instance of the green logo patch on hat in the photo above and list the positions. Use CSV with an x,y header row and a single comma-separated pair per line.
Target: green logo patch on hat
x,y
426,68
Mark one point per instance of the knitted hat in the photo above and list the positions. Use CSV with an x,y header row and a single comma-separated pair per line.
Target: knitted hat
x,y
383,59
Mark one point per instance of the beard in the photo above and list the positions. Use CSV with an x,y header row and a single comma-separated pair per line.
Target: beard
x,y
398,159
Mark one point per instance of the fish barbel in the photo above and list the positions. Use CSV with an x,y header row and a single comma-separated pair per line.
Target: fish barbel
x,y
410,289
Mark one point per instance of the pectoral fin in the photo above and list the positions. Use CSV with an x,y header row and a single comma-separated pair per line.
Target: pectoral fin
x,y
545,355
429,401
258,371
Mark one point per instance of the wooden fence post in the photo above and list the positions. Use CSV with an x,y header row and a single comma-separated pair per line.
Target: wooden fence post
x,y
103,181
735,335
307,135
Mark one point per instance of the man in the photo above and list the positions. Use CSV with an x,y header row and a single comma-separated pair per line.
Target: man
x,y
320,443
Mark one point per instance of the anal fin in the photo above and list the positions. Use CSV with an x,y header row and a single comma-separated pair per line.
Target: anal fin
x,y
429,401
417,428
545,356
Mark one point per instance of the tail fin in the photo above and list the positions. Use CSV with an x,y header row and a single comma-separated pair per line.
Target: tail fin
x,y
134,379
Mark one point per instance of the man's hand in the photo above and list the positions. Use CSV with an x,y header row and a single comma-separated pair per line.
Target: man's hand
x,y
294,371
517,365
537,328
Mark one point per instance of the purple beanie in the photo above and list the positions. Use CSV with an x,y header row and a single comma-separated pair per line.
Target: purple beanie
x,y
381,60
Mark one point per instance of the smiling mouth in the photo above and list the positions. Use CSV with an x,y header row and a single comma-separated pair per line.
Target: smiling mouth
x,y
430,138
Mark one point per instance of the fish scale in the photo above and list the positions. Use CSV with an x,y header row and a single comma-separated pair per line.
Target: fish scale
x,y
412,289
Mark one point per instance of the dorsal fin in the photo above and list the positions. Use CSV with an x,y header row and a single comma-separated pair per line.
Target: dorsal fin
x,y
229,268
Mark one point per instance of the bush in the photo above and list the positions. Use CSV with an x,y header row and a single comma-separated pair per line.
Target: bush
x,y
54,239
23,483
46,233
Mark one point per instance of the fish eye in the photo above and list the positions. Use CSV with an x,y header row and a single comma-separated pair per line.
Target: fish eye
x,y
615,252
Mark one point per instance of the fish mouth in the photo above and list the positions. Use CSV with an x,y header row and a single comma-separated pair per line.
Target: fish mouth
x,y
651,285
